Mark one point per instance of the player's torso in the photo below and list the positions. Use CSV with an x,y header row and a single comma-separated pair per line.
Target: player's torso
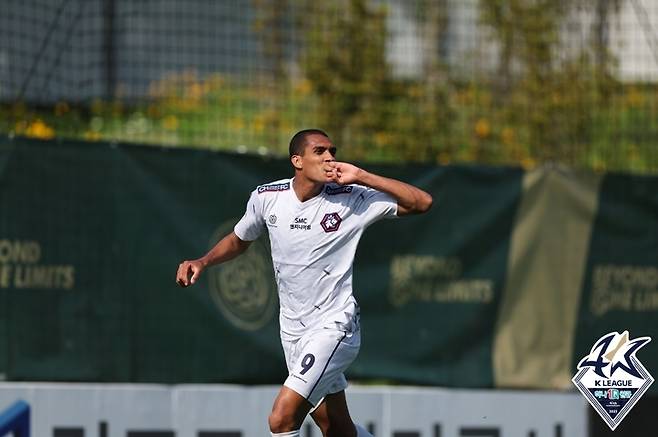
x,y
313,245
308,232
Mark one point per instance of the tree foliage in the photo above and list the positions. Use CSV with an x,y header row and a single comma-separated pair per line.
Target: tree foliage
x,y
530,90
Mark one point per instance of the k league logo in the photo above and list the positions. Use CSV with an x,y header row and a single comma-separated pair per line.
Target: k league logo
x,y
612,378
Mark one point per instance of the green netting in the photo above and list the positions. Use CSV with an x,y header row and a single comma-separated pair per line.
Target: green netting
x,y
517,82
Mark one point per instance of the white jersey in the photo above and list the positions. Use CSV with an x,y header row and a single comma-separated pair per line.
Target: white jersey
x,y
313,246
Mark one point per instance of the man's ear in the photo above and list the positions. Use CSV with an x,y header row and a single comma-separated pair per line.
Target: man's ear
x,y
296,161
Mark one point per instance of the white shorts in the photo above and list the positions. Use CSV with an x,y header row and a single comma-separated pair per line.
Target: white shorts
x,y
317,360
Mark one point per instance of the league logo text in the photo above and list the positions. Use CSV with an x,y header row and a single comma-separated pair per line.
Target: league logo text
x,y
612,378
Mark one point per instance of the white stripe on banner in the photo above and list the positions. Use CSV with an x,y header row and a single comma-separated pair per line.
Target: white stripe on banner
x,y
535,330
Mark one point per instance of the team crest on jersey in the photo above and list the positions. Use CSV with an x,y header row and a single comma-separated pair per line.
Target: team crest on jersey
x,y
612,378
338,190
273,187
330,222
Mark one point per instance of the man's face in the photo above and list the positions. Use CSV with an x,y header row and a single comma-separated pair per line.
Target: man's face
x,y
318,157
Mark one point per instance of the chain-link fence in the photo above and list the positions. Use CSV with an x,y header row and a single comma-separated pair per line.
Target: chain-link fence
x,y
517,82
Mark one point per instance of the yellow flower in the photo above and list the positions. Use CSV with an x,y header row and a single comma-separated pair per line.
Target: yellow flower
x,y
39,129
92,135
170,122
482,128
382,138
194,91
303,87
528,163
507,136
236,123
258,124
634,98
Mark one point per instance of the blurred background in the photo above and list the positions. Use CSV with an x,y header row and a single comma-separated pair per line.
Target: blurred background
x,y
439,81
131,133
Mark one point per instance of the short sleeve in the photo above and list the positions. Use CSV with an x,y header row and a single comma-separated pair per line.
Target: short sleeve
x,y
251,225
374,205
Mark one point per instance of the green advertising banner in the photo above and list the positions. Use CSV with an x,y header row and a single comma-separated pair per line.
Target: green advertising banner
x,y
482,291
620,289
430,285
90,239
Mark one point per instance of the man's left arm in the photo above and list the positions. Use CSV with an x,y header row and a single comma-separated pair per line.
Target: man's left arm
x,y
410,199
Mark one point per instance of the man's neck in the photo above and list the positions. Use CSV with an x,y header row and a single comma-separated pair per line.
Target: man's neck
x,y
306,189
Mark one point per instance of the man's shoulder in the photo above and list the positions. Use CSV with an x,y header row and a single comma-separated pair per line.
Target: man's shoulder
x,y
273,187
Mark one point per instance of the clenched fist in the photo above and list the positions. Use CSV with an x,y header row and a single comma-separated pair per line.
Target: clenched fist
x,y
188,272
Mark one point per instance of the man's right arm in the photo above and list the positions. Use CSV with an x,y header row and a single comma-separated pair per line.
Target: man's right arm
x,y
228,248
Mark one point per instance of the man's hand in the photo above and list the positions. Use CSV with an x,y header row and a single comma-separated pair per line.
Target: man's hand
x,y
188,272
411,200
228,248
343,173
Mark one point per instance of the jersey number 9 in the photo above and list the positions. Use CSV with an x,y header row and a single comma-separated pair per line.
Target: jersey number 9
x,y
307,363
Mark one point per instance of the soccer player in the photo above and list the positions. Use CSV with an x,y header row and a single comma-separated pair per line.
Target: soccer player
x,y
314,221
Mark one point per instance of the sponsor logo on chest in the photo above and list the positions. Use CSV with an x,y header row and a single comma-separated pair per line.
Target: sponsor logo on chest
x,y
300,223
329,222
273,188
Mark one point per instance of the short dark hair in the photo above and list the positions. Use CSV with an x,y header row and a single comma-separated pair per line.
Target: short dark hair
x,y
298,141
